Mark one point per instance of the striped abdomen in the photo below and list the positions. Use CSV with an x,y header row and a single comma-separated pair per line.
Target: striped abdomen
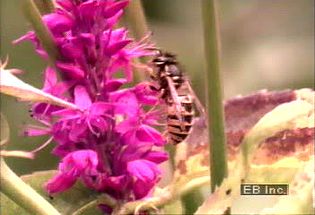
x,y
178,129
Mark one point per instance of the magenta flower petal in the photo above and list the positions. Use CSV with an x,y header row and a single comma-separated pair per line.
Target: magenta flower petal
x,y
99,108
66,4
58,23
156,156
87,39
126,102
143,170
81,161
99,123
88,9
71,70
115,84
60,182
28,36
32,131
149,134
145,95
82,98
114,48
78,130
145,174
117,182
72,167
72,48
67,114
50,78
110,22
115,8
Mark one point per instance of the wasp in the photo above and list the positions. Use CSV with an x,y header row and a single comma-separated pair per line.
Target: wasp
x,y
176,91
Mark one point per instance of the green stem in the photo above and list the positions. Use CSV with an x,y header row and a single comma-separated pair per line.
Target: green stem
x,y
135,19
217,147
22,194
41,30
45,6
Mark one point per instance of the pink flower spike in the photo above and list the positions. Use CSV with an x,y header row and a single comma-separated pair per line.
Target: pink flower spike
x,y
108,140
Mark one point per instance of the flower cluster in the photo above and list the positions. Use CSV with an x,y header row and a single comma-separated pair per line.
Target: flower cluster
x,y
108,142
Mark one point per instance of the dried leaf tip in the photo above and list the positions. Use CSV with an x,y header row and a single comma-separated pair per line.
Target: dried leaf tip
x,y
4,65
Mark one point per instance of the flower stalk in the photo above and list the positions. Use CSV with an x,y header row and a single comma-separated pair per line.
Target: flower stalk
x,y
22,194
45,6
135,17
44,35
217,147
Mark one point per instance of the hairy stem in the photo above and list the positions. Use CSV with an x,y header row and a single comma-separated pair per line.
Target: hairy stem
x,y
41,30
22,194
217,146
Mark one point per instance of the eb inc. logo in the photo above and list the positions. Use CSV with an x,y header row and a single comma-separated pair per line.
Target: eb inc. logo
x,y
264,189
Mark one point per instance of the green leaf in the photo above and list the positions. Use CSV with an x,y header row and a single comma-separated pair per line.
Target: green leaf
x,y
5,130
13,86
9,207
67,202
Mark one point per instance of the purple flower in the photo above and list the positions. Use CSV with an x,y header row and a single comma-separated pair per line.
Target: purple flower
x,y
74,165
110,142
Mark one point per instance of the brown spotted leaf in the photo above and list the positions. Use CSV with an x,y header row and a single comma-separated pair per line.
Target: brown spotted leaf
x,y
274,132
241,114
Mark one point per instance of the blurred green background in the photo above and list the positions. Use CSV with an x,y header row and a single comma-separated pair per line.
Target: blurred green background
x,y
265,44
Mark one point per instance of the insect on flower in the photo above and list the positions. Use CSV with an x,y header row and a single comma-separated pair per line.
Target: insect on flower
x,y
176,91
